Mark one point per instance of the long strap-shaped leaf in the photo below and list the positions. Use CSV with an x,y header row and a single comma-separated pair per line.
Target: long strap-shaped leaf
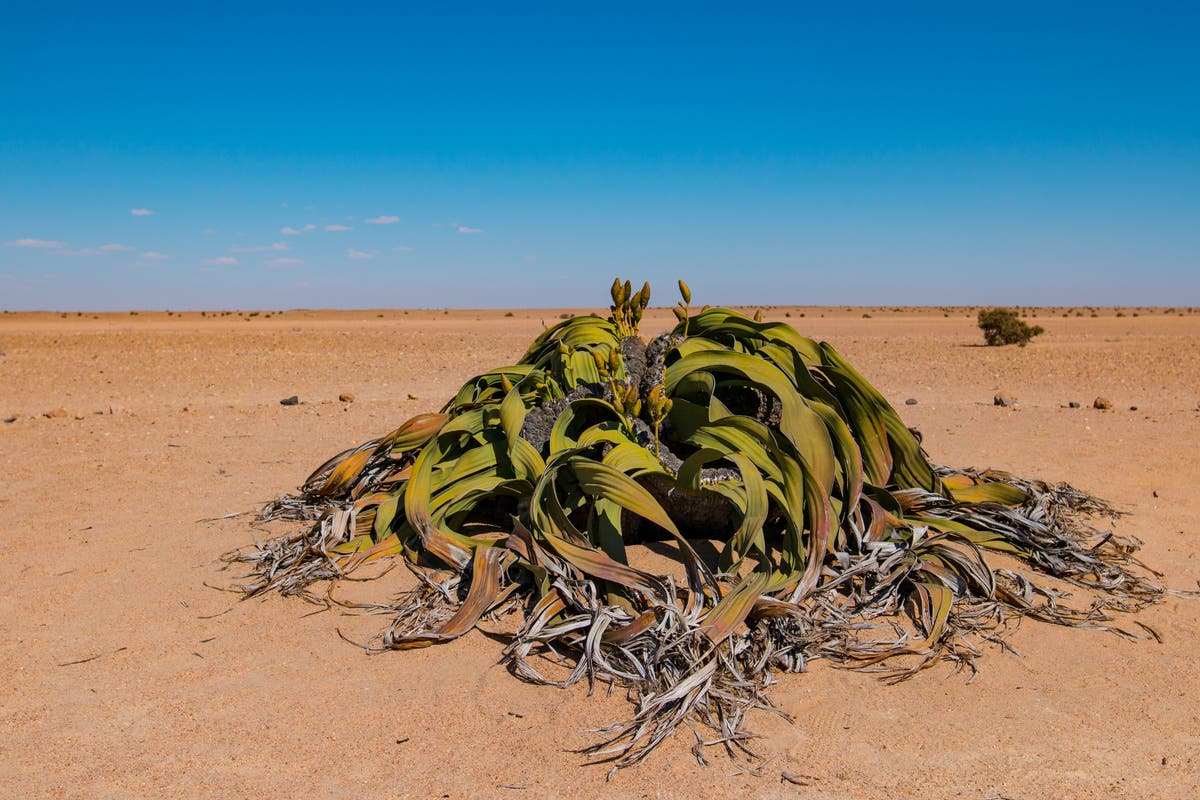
x,y
800,423
600,480
417,501
733,608
484,593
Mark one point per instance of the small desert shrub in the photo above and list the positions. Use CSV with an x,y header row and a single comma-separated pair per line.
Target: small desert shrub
x,y
1001,326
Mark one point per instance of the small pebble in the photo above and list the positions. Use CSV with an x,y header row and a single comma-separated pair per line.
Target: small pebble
x,y
1133,408
1102,403
912,401
58,413
1073,404
1005,399
346,397
10,420
413,397
290,401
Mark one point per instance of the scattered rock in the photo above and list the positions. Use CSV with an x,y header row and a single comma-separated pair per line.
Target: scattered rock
x,y
412,396
912,401
79,416
10,420
290,401
58,413
1005,399
1133,408
1102,403
346,397
1073,404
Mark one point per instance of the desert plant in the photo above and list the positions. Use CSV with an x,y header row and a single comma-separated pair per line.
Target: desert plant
x,y
1001,326
525,498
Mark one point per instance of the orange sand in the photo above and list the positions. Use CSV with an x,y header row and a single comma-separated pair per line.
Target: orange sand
x,y
106,552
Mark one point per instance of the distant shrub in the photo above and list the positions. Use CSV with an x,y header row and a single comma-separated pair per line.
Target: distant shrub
x,y
1001,326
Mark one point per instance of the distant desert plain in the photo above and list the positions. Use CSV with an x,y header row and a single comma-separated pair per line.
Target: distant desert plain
x,y
136,447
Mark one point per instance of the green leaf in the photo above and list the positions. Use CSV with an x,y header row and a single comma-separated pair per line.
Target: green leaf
x,y
512,415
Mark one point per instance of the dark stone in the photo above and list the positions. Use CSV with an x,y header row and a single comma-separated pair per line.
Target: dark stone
x,y
912,401
696,515
633,353
1073,404
539,422
290,401
656,351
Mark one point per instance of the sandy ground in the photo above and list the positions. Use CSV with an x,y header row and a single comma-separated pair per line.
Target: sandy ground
x,y
174,420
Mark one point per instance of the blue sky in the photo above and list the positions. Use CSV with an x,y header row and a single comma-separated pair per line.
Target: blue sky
x,y
523,154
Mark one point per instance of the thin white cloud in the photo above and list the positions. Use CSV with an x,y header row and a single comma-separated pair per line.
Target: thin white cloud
x,y
290,231
400,248
360,254
209,231
337,227
221,260
35,243
141,212
465,229
383,220
239,248
284,262
92,251
154,255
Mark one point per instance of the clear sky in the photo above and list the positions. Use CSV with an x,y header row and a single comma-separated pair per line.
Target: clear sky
x,y
245,155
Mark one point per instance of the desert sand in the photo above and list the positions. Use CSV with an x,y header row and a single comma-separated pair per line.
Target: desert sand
x,y
116,512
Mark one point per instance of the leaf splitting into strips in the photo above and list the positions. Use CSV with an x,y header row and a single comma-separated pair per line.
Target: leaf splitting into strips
x,y
731,611
484,593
